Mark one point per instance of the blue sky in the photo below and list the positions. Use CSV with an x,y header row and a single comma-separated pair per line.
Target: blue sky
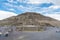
x,y
49,8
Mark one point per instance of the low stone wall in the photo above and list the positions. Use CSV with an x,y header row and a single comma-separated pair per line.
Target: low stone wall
x,y
29,29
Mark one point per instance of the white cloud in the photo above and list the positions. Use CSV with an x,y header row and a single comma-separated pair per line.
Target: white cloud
x,y
5,14
25,9
55,6
36,1
8,4
20,0
55,16
21,7
54,9
56,2
10,1
11,9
